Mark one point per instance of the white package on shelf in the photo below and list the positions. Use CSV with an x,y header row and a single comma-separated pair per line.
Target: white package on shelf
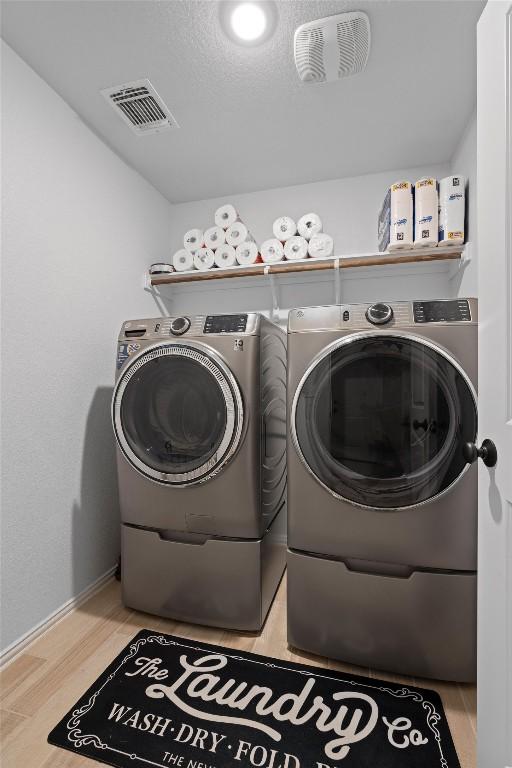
x,y
247,253
193,239
296,248
426,205
272,251
283,228
225,256
401,224
204,259
213,237
308,225
452,210
238,233
183,260
321,246
226,215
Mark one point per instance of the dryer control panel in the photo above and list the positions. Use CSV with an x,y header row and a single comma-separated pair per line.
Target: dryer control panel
x,y
455,311
382,315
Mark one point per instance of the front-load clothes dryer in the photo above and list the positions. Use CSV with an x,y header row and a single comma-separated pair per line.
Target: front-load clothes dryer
x,y
382,505
199,415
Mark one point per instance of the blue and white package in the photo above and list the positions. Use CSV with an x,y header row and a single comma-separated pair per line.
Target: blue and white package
x,y
452,210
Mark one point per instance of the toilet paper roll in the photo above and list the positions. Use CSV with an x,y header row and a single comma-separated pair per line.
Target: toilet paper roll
x,y
204,259
193,239
183,260
238,233
226,215
247,253
271,251
308,225
321,246
225,256
214,237
296,248
425,212
284,228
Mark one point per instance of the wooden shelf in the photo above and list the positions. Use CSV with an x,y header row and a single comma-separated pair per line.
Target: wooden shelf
x,y
441,253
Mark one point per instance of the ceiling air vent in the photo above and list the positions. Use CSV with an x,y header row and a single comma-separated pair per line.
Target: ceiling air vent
x,y
140,107
331,48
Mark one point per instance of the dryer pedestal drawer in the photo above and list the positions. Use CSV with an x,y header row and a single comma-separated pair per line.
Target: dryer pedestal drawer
x,y
220,583
422,624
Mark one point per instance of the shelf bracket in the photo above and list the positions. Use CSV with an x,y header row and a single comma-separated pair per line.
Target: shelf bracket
x,y
274,312
461,264
159,300
337,281
146,282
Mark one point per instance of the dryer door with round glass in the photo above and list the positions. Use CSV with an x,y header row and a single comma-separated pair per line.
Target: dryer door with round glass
x,y
381,419
178,413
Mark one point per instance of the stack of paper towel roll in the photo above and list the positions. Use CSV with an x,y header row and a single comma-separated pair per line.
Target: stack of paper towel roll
x,y
227,243
295,241
240,247
195,254
199,249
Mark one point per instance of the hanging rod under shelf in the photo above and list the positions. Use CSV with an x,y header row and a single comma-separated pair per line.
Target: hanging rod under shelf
x,y
313,264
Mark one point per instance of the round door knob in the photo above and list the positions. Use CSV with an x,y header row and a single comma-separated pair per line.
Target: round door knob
x,y
487,452
180,325
379,314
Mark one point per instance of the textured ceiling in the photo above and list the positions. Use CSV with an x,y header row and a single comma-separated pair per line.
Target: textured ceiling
x,y
246,122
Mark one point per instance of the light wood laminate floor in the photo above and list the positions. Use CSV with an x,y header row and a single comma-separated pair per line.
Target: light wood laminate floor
x,y
41,684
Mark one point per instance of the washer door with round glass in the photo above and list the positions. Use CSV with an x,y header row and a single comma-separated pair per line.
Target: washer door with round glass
x,y
381,420
178,413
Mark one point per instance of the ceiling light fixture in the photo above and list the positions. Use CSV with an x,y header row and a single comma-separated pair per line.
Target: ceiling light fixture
x,y
248,23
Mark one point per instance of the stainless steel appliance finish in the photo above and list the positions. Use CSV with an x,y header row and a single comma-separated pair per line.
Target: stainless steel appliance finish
x,y
382,528
199,414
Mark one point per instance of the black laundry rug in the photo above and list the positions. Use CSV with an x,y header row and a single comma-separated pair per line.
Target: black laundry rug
x,y
167,701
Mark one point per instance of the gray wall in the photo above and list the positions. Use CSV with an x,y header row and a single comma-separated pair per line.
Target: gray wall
x,y
79,227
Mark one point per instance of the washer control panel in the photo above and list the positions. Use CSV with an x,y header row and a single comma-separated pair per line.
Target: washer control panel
x,y
225,324
160,328
451,311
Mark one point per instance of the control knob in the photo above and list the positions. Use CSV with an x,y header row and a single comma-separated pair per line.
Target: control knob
x,y
179,326
379,314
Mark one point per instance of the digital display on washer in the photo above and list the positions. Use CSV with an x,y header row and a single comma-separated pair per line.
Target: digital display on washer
x,y
225,324
455,311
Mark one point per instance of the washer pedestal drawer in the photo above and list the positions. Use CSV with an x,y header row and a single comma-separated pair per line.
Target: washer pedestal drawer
x,y
218,582
417,623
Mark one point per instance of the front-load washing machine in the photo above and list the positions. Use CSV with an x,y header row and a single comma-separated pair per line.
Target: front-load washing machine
x,y
199,415
382,505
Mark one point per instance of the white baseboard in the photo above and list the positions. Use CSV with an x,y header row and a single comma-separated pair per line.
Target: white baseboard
x,y
19,645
